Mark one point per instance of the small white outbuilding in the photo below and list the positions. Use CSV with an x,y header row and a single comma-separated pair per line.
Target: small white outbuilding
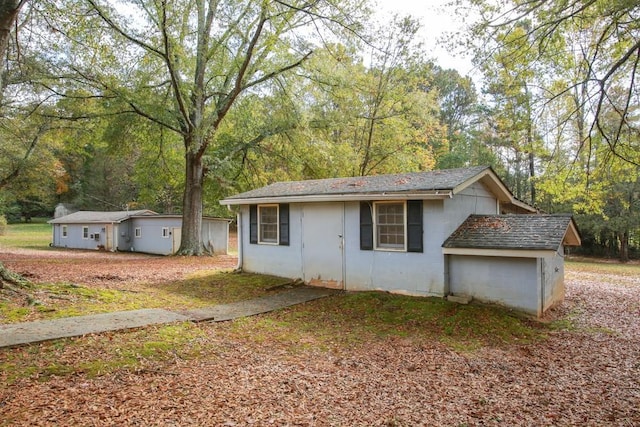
x,y
140,231
403,233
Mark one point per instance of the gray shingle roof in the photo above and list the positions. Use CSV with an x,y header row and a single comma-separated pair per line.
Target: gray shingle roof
x,y
446,179
523,232
83,217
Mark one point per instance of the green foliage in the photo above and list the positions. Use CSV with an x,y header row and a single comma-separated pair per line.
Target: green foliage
x,y
583,49
3,225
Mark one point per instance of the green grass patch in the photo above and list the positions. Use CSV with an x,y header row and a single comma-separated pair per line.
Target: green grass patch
x,y
101,354
358,318
336,323
56,300
220,287
33,235
10,313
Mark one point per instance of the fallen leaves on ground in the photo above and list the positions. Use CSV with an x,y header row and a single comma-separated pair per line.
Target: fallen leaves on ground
x,y
107,270
586,375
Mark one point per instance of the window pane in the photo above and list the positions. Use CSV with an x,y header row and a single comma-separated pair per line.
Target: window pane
x,y
269,224
390,225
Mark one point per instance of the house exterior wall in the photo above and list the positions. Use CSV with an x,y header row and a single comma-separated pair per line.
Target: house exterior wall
x,y
553,289
75,237
151,240
277,260
124,235
415,273
395,271
215,235
513,282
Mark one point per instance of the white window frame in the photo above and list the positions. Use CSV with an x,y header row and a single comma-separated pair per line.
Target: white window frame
x,y
376,244
259,214
137,232
165,233
64,233
85,232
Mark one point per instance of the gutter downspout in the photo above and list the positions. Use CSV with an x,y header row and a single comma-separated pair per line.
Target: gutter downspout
x,y
239,239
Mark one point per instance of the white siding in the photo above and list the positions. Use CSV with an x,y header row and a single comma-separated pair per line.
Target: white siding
x,y
75,238
151,240
402,272
553,286
509,281
284,261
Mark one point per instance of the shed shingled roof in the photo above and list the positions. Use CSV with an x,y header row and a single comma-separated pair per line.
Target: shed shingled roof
x,y
446,179
520,232
84,217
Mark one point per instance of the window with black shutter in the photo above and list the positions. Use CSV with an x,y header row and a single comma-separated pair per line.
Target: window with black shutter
x,y
366,227
269,224
414,226
253,224
391,226
283,224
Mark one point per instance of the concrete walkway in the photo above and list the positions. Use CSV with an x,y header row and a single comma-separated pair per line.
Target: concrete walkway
x,y
44,330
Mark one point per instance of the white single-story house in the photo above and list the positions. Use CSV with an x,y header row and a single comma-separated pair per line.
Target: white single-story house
x,y
407,233
135,231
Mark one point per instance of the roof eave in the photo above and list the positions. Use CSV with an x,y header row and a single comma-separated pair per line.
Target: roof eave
x,y
422,195
53,221
496,252
571,236
489,178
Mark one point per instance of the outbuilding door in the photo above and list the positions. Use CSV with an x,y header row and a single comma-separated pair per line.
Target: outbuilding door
x,y
176,239
108,245
323,244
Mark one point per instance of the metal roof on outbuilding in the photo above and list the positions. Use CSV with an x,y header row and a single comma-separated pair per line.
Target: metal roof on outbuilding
x,y
86,217
515,232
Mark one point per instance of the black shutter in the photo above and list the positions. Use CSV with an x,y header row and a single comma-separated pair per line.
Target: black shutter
x,y
414,226
253,224
283,222
366,227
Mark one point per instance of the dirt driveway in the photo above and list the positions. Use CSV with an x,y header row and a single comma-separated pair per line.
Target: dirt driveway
x,y
587,374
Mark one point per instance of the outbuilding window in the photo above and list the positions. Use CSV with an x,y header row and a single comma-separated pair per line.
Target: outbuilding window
x,y
64,232
269,224
138,232
165,232
391,226
85,232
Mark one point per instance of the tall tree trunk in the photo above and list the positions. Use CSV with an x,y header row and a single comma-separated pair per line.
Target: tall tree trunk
x,y
623,237
532,175
8,13
191,243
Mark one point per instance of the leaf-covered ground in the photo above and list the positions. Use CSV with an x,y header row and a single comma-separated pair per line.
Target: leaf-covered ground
x,y
585,371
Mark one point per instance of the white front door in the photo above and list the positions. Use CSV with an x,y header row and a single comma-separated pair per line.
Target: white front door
x,y
323,244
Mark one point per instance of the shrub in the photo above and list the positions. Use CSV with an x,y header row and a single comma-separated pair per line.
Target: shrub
x,y
3,225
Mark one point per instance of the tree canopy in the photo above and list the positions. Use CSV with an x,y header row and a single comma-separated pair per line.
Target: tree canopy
x,y
174,105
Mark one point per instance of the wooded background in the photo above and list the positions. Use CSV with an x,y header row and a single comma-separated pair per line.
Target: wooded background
x,y
109,105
